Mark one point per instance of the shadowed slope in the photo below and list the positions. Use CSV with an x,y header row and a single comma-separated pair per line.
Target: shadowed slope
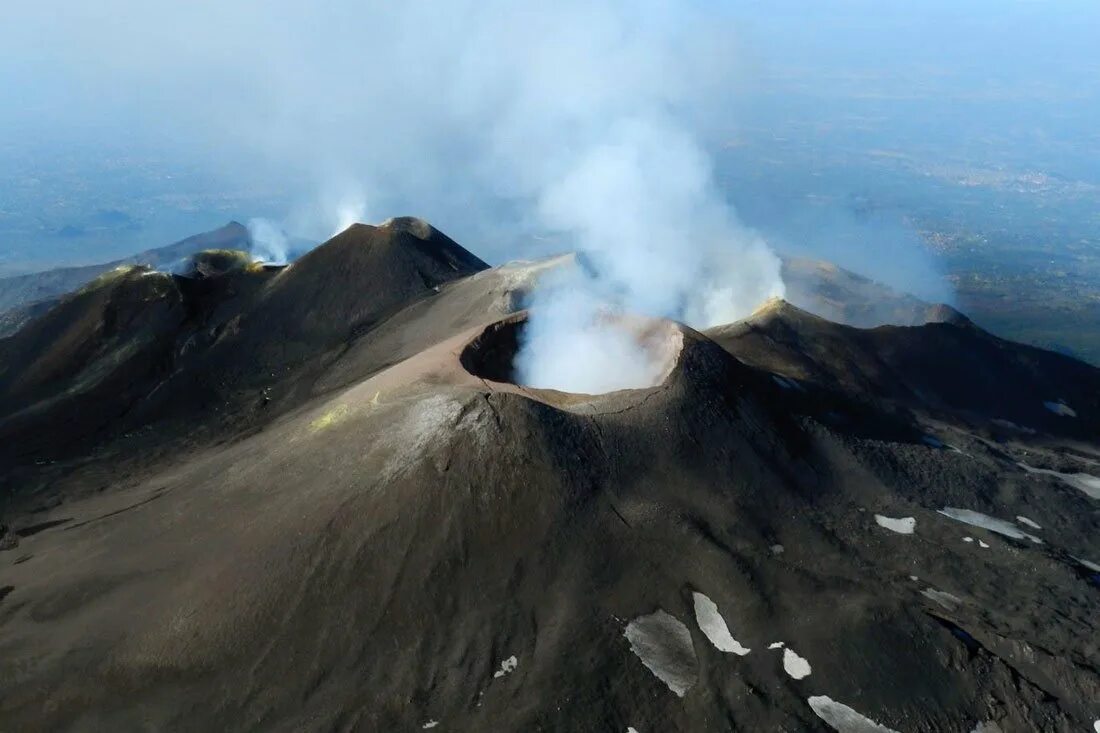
x,y
309,314
950,366
86,360
842,296
238,329
19,293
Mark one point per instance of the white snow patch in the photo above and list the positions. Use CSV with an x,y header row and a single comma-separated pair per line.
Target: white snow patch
x,y
977,519
904,525
508,666
1096,726
1027,522
1085,563
794,665
987,727
844,719
983,545
631,729
787,383
1012,426
714,626
913,577
1060,408
775,645
1080,481
430,724
968,539
777,549
942,598
664,645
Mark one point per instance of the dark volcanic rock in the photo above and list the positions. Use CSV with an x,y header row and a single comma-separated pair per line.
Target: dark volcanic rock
x,y
235,329
772,538
84,362
22,296
948,366
844,297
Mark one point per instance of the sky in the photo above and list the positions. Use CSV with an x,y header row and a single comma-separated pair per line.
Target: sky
x,y
183,115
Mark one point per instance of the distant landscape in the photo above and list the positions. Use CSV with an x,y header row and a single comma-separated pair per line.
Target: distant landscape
x,y
1020,249
947,162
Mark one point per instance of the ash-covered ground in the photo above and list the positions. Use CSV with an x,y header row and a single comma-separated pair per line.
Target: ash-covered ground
x,y
315,498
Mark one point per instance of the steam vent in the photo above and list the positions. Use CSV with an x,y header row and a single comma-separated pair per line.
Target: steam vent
x,y
655,348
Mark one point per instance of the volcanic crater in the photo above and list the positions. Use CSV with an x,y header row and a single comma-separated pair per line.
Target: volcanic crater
x,y
492,354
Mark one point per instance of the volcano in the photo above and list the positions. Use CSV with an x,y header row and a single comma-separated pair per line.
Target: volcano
x,y
318,498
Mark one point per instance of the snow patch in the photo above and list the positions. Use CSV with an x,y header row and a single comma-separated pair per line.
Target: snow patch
x,y
664,645
968,539
1027,522
844,719
987,727
775,645
983,545
1012,426
942,598
977,519
904,525
787,383
1060,408
794,665
1080,481
508,666
714,626
430,724
1086,564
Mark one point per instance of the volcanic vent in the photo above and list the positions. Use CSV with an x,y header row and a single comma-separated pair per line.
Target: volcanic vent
x,y
616,353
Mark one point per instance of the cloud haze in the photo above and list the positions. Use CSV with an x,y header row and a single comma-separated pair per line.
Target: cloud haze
x,y
527,129
588,122
432,108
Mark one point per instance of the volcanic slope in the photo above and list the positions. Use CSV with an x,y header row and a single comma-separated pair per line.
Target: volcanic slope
x,y
242,341
949,367
845,297
24,296
408,540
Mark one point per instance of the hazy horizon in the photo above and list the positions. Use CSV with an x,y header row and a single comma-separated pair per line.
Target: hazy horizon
x,y
860,132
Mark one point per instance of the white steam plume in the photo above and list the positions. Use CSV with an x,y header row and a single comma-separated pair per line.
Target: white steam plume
x,y
586,119
269,242
349,211
645,211
573,343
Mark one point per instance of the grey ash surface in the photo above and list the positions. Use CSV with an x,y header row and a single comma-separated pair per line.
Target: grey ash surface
x,y
276,499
